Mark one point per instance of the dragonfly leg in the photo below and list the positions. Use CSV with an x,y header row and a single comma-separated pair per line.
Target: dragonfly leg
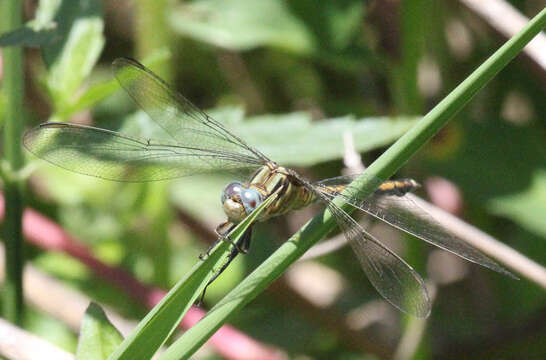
x,y
204,255
232,254
244,245
241,246
222,230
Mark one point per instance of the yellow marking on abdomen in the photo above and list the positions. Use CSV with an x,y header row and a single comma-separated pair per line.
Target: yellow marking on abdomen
x,y
397,187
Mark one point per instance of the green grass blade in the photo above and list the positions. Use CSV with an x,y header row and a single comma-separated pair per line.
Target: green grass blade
x,y
382,168
161,321
13,91
400,152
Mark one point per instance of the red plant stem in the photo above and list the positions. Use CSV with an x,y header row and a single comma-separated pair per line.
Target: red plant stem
x,y
46,234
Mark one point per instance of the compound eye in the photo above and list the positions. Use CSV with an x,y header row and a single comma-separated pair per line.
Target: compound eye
x,y
231,190
250,198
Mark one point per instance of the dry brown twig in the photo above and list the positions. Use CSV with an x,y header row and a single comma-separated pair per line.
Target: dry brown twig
x,y
486,243
507,20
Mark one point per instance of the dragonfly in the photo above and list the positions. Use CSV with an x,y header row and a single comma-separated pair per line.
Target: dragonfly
x,y
195,143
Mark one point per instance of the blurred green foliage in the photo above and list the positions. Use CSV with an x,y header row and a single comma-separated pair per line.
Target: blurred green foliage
x,y
292,77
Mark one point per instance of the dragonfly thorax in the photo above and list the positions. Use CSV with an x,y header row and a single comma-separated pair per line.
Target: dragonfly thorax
x,y
239,200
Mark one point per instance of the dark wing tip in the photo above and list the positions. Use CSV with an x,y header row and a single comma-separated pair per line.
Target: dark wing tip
x,y
121,67
56,125
124,61
131,74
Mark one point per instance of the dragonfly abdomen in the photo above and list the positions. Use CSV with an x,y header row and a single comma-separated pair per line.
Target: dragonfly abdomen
x,y
397,187
390,187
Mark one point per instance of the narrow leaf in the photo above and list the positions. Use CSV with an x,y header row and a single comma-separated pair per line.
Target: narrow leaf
x,y
162,320
242,24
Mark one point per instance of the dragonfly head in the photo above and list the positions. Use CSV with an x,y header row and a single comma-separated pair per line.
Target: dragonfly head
x,y
238,201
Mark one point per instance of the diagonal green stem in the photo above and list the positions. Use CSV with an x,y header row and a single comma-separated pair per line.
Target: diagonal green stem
x,y
156,327
400,152
11,18
386,165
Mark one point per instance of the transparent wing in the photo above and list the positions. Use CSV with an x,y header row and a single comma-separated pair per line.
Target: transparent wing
x,y
404,214
196,143
182,121
392,277
114,156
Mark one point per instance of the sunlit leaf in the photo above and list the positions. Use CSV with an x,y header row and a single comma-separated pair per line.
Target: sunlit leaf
x,y
242,24
293,139
98,337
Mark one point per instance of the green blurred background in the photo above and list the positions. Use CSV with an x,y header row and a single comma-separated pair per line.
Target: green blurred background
x,y
294,78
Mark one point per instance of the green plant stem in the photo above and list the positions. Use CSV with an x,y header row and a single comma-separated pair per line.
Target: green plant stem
x,y
11,18
385,166
407,96
400,152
